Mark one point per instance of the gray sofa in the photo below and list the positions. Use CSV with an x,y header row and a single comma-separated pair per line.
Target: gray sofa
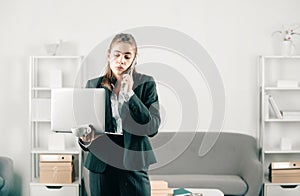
x,y
232,165
6,176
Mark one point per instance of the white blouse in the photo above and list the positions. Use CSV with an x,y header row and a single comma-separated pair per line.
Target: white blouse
x,y
116,106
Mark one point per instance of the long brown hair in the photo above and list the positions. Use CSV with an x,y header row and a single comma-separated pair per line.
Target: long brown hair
x,y
108,78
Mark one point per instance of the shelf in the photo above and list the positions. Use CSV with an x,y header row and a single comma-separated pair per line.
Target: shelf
x,y
281,57
274,88
49,89
57,57
46,151
41,120
282,120
41,88
278,151
45,74
278,78
36,181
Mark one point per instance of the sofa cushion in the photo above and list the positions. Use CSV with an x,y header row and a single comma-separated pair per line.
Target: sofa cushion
x,y
1,182
228,184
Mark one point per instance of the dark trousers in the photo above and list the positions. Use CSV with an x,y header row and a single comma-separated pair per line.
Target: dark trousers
x,y
117,182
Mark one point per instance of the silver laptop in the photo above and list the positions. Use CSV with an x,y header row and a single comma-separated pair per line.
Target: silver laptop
x,y
77,107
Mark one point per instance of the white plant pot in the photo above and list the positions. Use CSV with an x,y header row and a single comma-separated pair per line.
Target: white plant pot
x,y
287,48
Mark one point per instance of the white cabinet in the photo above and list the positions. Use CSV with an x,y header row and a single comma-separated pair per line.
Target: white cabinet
x,y
279,78
53,190
46,73
280,190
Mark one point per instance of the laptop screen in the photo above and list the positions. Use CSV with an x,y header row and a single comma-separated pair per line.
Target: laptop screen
x,y
76,107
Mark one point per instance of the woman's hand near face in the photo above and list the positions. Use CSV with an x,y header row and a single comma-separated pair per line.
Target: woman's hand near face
x,y
127,83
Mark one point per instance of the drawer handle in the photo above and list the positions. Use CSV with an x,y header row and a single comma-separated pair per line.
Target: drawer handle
x,y
54,187
289,186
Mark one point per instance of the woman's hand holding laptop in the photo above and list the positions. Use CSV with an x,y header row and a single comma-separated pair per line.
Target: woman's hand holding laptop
x,y
86,133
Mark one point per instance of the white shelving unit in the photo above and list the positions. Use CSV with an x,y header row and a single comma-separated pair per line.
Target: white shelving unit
x,y
273,129
47,72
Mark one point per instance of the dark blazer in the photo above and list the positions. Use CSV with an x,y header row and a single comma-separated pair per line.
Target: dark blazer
x,y
140,120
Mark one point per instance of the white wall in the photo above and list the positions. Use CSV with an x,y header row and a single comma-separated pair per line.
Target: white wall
x,y
233,32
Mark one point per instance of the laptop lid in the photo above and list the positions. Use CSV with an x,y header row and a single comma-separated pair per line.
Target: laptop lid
x,y
76,107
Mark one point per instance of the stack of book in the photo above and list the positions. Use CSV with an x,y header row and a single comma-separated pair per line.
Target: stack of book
x,y
160,188
290,114
184,192
285,172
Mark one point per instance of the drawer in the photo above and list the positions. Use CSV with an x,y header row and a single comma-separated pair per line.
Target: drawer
x,y
280,190
38,190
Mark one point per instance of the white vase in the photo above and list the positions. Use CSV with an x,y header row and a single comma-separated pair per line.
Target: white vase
x,y
287,48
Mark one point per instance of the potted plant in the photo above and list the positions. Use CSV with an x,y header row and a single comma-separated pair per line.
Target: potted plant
x,y
287,34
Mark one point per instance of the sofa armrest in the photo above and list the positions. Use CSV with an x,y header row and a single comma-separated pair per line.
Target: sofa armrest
x,y
6,172
251,171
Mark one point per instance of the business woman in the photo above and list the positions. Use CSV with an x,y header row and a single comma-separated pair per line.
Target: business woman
x,y
132,109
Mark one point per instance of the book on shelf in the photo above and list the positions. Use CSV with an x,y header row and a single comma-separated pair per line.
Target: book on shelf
x,y
287,83
285,165
291,117
267,106
56,158
181,192
275,107
290,114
